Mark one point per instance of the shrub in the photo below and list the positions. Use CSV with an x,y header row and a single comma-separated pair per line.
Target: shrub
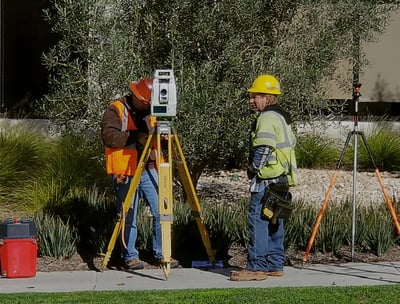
x,y
66,182
74,165
379,230
226,224
315,151
299,225
22,155
384,144
56,238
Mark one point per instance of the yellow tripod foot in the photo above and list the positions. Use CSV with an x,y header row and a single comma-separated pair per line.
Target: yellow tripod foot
x,y
105,259
166,267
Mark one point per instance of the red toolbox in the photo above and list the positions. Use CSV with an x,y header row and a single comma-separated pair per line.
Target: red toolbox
x,y
18,248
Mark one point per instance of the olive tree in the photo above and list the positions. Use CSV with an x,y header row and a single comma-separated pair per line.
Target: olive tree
x,y
216,49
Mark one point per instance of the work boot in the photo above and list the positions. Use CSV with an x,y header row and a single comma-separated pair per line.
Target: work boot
x,y
134,264
275,273
173,263
247,275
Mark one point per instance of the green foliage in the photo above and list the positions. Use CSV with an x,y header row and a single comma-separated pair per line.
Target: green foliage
x,y
335,229
316,151
215,53
91,213
74,164
299,225
145,227
226,224
67,185
22,155
379,234
56,238
375,229
384,144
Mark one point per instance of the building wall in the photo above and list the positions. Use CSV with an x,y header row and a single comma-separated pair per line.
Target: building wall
x,y
384,57
380,81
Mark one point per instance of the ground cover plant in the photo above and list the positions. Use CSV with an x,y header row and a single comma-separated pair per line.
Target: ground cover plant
x,y
70,198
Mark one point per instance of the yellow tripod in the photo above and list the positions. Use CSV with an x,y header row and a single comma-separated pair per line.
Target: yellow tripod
x,y
163,130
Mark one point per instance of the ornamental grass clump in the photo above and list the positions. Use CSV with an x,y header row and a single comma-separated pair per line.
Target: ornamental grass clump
x,y
299,225
145,227
56,238
315,151
374,231
379,226
384,143
22,155
334,229
227,222
73,165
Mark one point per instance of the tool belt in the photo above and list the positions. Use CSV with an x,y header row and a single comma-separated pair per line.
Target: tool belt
x,y
277,202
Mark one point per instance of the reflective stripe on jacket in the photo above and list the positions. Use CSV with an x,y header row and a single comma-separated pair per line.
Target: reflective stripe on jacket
x,y
272,130
122,160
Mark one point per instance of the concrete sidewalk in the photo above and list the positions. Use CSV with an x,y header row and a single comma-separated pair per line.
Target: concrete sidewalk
x,y
348,274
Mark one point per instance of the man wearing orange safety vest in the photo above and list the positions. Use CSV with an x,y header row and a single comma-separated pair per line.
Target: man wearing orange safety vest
x,y
124,129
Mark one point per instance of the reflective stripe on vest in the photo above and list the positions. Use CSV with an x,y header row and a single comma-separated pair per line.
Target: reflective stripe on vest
x,y
122,160
278,135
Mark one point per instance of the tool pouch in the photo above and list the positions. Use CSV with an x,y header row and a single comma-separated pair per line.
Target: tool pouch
x,y
277,202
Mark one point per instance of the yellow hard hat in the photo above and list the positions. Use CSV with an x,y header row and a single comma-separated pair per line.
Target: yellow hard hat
x,y
267,84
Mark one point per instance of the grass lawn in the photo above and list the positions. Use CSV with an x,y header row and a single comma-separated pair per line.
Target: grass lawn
x,y
368,294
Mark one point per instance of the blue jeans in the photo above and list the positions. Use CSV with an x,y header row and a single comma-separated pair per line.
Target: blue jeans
x,y
266,247
148,190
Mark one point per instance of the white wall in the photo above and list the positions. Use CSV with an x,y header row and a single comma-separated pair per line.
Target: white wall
x,y
384,57
39,125
340,129
384,64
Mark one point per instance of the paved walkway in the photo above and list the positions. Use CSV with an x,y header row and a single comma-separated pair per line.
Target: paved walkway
x,y
348,274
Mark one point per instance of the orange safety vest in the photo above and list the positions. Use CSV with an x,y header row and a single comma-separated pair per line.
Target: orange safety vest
x,y
122,160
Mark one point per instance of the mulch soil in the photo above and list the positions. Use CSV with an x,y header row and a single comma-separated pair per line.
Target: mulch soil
x,y
237,259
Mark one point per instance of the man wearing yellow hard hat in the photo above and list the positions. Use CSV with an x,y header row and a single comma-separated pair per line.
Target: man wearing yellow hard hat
x,y
271,171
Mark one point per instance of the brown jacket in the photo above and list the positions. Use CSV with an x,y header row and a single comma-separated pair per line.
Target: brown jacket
x,y
111,128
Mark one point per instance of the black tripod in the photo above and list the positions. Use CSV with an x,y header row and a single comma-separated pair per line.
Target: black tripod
x,y
356,132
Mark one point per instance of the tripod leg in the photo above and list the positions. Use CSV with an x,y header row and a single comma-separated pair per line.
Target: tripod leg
x,y
193,199
326,200
127,202
388,201
320,215
165,198
111,244
379,178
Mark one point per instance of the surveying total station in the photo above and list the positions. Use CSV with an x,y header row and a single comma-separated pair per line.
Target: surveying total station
x,y
168,152
163,94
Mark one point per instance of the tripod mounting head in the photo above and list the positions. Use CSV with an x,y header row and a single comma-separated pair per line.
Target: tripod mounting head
x,y
356,90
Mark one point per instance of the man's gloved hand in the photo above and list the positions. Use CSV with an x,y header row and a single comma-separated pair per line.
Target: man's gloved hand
x,y
251,173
